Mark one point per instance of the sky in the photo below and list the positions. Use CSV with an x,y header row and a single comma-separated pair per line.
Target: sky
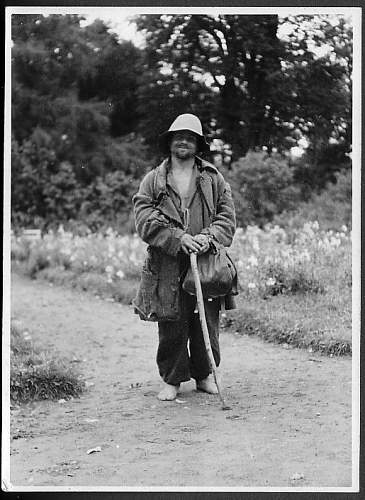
x,y
119,23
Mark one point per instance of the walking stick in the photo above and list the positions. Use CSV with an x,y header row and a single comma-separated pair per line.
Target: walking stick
x,y
203,322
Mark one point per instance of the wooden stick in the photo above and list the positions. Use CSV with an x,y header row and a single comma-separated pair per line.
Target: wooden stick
x,y
203,322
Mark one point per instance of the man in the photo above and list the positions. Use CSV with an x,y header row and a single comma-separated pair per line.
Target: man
x,y
181,206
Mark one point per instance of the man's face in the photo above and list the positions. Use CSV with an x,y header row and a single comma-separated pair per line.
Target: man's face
x,y
183,144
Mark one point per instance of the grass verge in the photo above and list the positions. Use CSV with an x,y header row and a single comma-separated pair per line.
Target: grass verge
x,y
36,374
314,322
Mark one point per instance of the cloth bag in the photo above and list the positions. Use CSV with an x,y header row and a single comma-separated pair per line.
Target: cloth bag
x,y
217,272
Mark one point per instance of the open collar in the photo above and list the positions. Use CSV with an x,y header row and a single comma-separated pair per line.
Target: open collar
x,y
204,183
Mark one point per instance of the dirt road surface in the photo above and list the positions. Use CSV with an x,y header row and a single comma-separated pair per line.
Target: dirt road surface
x,y
290,424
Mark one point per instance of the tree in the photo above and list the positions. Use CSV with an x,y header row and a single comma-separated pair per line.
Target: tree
x,y
258,90
78,84
73,90
235,60
321,69
114,79
319,66
88,107
49,56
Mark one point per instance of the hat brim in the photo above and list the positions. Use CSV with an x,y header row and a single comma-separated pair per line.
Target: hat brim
x,y
165,138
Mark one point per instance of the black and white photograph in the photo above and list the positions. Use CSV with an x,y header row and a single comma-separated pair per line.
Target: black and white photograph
x,y
181,249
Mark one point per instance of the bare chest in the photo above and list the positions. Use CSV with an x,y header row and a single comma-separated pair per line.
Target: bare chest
x,y
183,182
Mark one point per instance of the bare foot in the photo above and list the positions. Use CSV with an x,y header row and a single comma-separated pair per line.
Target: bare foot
x,y
168,393
207,385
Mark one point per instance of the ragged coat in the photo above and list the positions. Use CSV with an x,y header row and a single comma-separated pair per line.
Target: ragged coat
x,y
159,223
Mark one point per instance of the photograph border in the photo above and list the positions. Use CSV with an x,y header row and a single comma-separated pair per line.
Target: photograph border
x,y
356,12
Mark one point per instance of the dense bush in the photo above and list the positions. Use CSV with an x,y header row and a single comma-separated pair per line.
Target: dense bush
x,y
75,154
262,186
51,195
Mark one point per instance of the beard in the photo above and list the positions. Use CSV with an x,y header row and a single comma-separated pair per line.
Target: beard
x,y
183,152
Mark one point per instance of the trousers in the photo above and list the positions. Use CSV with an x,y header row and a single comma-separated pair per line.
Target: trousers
x,y
181,353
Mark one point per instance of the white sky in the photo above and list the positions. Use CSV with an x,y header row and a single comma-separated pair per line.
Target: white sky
x,y
118,22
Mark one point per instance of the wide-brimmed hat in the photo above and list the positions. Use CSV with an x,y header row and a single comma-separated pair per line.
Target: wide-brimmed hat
x,y
186,121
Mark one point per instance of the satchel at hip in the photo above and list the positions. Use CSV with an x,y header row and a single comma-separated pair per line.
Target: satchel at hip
x,y
217,272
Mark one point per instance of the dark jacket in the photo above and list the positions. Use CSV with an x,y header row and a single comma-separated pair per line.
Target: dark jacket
x,y
159,223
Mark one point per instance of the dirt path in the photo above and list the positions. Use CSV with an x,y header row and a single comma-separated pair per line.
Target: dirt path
x,y
290,424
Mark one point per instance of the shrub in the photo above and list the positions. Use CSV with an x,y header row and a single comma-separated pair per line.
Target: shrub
x,y
47,191
262,186
277,277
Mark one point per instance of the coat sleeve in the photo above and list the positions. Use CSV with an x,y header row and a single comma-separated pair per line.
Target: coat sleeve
x,y
152,226
223,226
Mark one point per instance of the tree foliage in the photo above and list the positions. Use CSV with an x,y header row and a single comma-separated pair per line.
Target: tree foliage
x,y
320,69
262,186
231,62
87,108
262,90
73,93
